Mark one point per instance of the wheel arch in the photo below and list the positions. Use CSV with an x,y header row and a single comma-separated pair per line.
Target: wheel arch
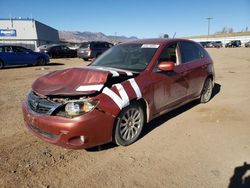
x,y
145,107
143,103
210,75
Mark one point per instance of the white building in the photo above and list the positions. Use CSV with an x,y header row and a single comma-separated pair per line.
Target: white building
x,y
27,32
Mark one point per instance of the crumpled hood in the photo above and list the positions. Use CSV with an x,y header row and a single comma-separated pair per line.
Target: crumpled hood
x,y
72,81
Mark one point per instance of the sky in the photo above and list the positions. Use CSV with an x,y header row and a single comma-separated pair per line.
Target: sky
x,y
140,18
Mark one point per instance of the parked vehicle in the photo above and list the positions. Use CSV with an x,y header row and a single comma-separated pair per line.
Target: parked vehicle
x,y
89,50
210,44
204,44
111,99
18,55
59,51
247,44
217,44
42,47
233,43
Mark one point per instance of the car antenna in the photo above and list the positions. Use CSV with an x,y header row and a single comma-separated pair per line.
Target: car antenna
x,y
174,35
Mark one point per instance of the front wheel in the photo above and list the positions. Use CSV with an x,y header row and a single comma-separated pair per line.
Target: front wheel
x,y
40,61
207,90
129,125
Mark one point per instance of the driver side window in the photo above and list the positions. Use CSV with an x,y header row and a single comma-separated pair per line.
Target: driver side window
x,y
170,53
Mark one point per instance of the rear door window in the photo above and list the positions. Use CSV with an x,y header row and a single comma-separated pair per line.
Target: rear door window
x,y
84,45
8,49
98,45
190,52
65,48
19,49
56,48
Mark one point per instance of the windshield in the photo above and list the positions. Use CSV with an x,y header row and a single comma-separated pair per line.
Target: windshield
x,y
134,57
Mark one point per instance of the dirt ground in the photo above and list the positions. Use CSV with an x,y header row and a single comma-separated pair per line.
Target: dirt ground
x,y
198,145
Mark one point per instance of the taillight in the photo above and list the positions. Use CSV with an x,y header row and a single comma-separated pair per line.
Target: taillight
x,y
87,49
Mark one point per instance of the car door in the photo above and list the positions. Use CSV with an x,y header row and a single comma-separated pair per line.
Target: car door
x,y
194,57
55,51
23,55
66,51
170,88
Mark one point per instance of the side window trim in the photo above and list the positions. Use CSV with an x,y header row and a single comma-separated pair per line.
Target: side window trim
x,y
178,55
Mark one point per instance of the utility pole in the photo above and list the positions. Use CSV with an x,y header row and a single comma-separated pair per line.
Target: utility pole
x,y
208,25
115,37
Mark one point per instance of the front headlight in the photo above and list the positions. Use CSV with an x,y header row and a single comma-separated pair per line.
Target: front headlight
x,y
77,108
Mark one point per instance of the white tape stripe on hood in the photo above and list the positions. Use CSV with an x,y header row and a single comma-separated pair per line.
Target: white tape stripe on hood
x,y
96,87
114,73
120,70
129,73
135,87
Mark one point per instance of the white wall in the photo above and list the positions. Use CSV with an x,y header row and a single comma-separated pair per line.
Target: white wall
x,y
224,40
25,29
29,33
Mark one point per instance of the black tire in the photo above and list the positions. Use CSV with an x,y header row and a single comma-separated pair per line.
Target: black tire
x,y
207,91
40,61
51,56
1,64
85,59
129,125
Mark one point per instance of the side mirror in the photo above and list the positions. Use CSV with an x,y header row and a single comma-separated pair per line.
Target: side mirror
x,y
166,66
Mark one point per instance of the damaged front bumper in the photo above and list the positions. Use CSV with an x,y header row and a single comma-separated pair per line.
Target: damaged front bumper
x,y
88,130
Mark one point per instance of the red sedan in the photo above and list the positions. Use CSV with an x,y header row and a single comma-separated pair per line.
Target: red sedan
x,y
111,100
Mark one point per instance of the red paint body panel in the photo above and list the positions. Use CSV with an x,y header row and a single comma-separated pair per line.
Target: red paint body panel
x,y
65,82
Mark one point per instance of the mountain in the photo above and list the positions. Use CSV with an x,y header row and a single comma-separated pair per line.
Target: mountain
x,y
76,36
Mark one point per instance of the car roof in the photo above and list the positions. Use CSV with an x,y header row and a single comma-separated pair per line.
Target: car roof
x,y
156,41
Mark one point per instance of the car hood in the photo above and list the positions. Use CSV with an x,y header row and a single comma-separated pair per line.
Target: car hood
x,y
71,82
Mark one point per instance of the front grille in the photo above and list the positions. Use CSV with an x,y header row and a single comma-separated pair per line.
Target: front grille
x,y
43,133
41,105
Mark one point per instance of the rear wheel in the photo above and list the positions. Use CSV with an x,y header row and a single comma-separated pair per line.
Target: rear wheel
x,y
207,91
85,59
129,125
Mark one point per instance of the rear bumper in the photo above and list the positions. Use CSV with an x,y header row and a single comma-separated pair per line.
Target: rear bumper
x,y
92,129
87,55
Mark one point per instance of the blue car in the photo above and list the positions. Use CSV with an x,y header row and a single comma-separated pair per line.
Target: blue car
x,y
18,55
